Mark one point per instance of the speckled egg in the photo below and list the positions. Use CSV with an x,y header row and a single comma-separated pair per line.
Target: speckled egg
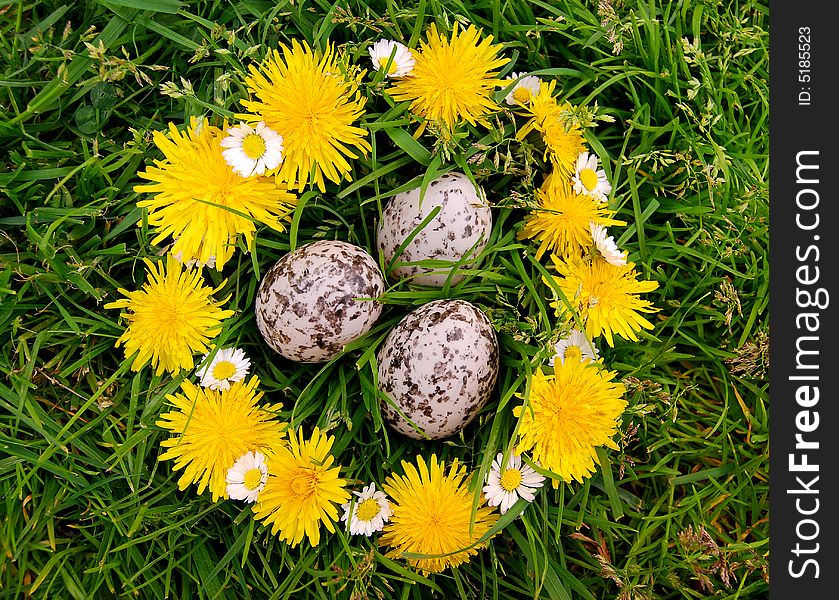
x,y
308,306
439,366
464,222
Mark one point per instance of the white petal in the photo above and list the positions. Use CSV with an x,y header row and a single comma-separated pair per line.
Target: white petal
x,y
532,83
402,63
527,494
507,502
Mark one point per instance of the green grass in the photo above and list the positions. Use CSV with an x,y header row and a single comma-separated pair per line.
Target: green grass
x,y
679,511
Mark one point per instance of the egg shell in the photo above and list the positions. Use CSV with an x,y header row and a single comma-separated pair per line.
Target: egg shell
x,y
439,365
306,306
464,217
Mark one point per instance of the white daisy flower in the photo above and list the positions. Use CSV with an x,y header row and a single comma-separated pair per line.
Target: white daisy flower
x,y
228,366
606,245
574,346
524,90
368,513
403,60
588,179
246,478
252,151
505,486
193,262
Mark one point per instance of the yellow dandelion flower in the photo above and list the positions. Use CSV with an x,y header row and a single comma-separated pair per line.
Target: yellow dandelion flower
x,y
568,416
432,513
562,221
170,319
303,96
453,80
563,140
213,429
201,202
606,297
303,489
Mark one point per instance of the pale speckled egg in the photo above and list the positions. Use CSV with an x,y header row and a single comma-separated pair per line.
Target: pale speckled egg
x,y
464,222
438,365
310,303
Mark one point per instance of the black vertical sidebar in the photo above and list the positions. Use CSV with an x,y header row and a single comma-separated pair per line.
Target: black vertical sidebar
x,y
804,299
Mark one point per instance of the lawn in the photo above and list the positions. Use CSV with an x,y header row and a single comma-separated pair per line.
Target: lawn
x,y
674,97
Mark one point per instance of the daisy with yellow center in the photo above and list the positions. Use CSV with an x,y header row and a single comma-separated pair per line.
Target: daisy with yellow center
x,y
301,95
453,80
170,319
563,140
575,347
606,246
252,151
303,489
228,366
590,180
507,484
561,221
432,512
569,415
368,513
213,429
247,477
394,54
201,202
526,88
606,296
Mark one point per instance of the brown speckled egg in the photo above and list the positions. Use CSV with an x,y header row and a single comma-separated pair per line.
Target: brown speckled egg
x,y
439,366
308,306
464,222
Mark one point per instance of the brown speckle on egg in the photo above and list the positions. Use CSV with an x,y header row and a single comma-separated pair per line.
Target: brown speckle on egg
x,y
310,304
439,365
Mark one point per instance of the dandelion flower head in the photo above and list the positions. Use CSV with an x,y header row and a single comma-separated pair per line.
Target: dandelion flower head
x,y
200,202
563,140
568,416
170,319
606,296
453,80
212,429
432,511
303,96
560,222
303,489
